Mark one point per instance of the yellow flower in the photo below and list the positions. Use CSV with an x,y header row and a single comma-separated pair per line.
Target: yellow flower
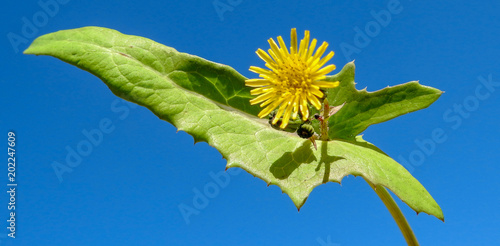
x,y
294,78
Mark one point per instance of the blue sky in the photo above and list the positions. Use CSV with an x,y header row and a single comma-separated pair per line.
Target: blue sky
x,y
128,188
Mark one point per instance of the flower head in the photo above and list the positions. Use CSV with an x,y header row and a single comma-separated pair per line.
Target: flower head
x,y
294,79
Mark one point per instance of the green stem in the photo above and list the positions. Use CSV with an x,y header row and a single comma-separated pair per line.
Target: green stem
x,y
324,123
396,213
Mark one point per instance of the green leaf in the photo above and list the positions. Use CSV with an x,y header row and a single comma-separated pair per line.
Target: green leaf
x,y
363,108
209,101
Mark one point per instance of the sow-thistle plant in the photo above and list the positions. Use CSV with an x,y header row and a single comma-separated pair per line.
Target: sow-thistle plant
x,y
215,104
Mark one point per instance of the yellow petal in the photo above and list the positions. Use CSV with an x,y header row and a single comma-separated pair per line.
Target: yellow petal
x,y
274,56
260,70
275,49
322,62
326,84
257,82
283,49
314,101
271,100
316,92
303,44
293,45
260,90
296,107
280,112
303,108
324,70
311,48
320,51
268,109
286,117
261,98
264,56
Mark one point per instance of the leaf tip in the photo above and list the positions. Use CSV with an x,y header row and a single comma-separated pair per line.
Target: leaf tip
x,y
350,65
439,216
300,204
29,50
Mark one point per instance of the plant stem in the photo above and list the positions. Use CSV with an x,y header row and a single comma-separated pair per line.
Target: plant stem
x,y
396,213
324,123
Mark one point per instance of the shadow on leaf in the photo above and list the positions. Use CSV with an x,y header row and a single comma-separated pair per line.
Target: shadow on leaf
x,y
327,161
289,161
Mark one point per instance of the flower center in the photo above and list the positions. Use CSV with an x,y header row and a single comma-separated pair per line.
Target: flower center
x,y
293,77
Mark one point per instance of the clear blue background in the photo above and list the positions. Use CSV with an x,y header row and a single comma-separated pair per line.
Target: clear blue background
x,y
127,191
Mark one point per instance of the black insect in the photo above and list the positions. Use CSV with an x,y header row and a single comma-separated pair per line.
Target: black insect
x,y
305,130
